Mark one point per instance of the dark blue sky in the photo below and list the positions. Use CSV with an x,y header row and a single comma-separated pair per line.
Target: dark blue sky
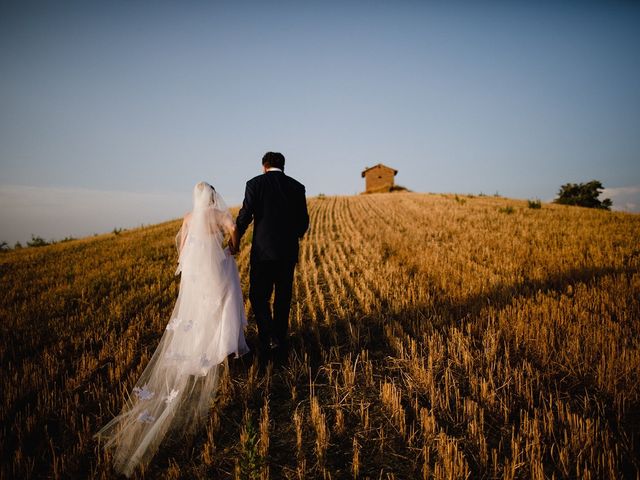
x,y
150,97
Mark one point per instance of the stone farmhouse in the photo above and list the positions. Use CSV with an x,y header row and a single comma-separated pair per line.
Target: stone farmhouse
x,y
379,178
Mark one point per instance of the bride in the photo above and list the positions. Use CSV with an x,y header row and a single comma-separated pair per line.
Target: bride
x,y
175,389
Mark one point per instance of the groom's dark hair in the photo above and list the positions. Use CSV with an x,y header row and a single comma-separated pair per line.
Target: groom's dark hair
x,y
273,159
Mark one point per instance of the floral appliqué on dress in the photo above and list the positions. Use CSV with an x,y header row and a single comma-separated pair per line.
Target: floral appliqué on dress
x,y
146,417
174,323
143,393
171,397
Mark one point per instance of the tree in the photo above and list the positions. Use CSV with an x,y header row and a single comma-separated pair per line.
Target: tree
x,y
583,195
37,241
4,246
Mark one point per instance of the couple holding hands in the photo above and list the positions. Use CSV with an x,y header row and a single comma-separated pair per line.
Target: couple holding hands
x,y
175,390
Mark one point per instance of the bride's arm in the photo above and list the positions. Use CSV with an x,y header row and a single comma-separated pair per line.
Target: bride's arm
x,y
234,240
183,231
229,226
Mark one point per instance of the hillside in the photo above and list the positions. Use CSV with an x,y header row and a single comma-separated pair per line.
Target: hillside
x,y
433,335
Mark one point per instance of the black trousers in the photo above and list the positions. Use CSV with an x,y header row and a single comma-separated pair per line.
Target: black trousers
x,y
263,278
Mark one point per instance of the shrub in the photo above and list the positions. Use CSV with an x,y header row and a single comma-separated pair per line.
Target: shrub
x,y
583,195
535,204
37,242
508,210
459,200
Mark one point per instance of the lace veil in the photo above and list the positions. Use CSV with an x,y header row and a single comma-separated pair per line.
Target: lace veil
x,y
202,227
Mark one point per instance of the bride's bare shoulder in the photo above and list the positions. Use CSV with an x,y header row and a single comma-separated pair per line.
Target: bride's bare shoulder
x,y
186,218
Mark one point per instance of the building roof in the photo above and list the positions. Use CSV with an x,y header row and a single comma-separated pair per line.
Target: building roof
x,y
395,172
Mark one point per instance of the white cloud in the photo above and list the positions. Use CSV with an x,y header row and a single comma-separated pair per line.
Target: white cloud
x,y
616,191
625,199
55,213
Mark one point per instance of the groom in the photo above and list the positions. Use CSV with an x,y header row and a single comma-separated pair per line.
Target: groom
x,y
277,205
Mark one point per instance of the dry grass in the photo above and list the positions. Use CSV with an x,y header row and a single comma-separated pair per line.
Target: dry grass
x,y
431,338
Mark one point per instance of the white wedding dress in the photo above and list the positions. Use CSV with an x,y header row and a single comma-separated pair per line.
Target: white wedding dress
x,y
175,390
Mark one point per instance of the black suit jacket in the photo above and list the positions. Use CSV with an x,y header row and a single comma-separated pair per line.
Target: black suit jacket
x,y
278,206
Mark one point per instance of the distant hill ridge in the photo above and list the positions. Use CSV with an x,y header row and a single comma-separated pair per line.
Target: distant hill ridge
x,y
460,198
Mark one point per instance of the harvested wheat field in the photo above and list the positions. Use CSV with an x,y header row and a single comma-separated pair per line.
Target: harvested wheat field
x,y
433,336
